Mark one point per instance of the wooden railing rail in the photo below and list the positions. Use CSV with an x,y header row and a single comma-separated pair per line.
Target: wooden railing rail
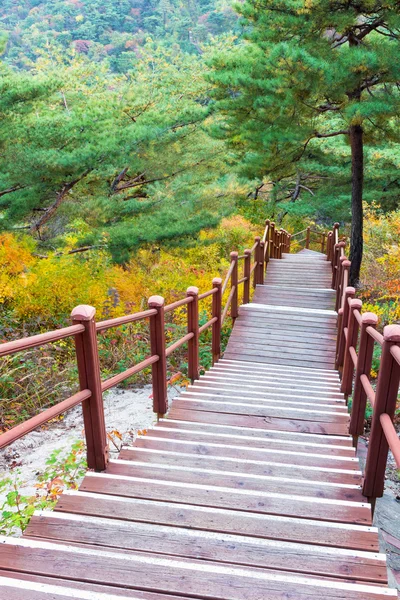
x,y
84,330
320,238
356,338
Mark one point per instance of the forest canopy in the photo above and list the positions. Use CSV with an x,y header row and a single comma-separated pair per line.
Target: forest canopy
x,y
137,123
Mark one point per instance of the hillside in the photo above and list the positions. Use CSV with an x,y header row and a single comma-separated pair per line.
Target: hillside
x,y
109,30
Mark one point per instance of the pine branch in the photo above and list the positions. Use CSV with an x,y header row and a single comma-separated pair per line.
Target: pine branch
x,y
74,251
58,201
10,190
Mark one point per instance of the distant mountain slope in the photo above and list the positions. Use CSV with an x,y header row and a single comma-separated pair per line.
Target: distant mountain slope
x,y
109,28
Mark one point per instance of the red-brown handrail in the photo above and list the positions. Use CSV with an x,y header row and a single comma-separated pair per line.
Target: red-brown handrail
x,y
356,338
85,329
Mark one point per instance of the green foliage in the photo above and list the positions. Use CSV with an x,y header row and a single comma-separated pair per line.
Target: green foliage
x,y
309,70
111,161
111,31
64,470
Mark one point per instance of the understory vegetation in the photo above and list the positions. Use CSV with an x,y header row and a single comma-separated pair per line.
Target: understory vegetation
x,y
141,141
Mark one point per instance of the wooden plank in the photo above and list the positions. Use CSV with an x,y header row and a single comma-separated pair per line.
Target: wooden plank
x,y
277,424
239,432
272,397
283,360
80,590
169,575
270,382
236,344
282,332
251,462
210,475
266,503
278,368
260,410
204,436
247,339
210,546
279,373
356,537
25,586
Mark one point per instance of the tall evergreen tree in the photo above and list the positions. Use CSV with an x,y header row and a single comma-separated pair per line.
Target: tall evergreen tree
x,y
312,69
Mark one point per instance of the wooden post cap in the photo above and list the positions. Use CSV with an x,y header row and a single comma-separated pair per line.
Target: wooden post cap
x,y
336,225
346,264
83,312
155,301
273,223
391,333
356,304
217,281
341,244
266,222
340,311
234,255
369,318
350,291
192,291
247,252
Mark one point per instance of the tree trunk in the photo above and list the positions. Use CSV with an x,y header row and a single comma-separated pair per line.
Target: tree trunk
x,y
357,176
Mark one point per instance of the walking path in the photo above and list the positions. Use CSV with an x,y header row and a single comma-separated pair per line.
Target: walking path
x,y
249,489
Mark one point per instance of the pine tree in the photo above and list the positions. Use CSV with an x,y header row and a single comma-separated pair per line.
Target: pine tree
x,y
312,70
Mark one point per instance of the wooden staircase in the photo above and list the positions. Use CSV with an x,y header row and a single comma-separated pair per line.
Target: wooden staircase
x,y
249,489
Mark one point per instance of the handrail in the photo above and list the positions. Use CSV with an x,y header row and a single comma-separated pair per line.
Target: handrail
x,y
298,232
17,432
228,303
112,381
179,343
228,276
104,325
209,293
356,338
391,436
208,324
84,330
395,352
34,341
369,390
171,307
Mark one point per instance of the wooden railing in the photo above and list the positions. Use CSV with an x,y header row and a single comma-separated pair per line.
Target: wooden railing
x,y
311,236
85,329
356,338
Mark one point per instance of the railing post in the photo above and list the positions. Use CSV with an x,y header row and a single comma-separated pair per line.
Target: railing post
x,y
257,240
343,320
289,241
193,327
261,263
216,313
157,344
267,243
234,283
329,247
334,236
344,266
272,242
335,265
352,334
246,273
308,237
364,362
89,379
281,242
323,236
385,402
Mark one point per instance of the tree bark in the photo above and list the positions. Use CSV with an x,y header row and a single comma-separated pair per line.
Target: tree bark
x,y
357,176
